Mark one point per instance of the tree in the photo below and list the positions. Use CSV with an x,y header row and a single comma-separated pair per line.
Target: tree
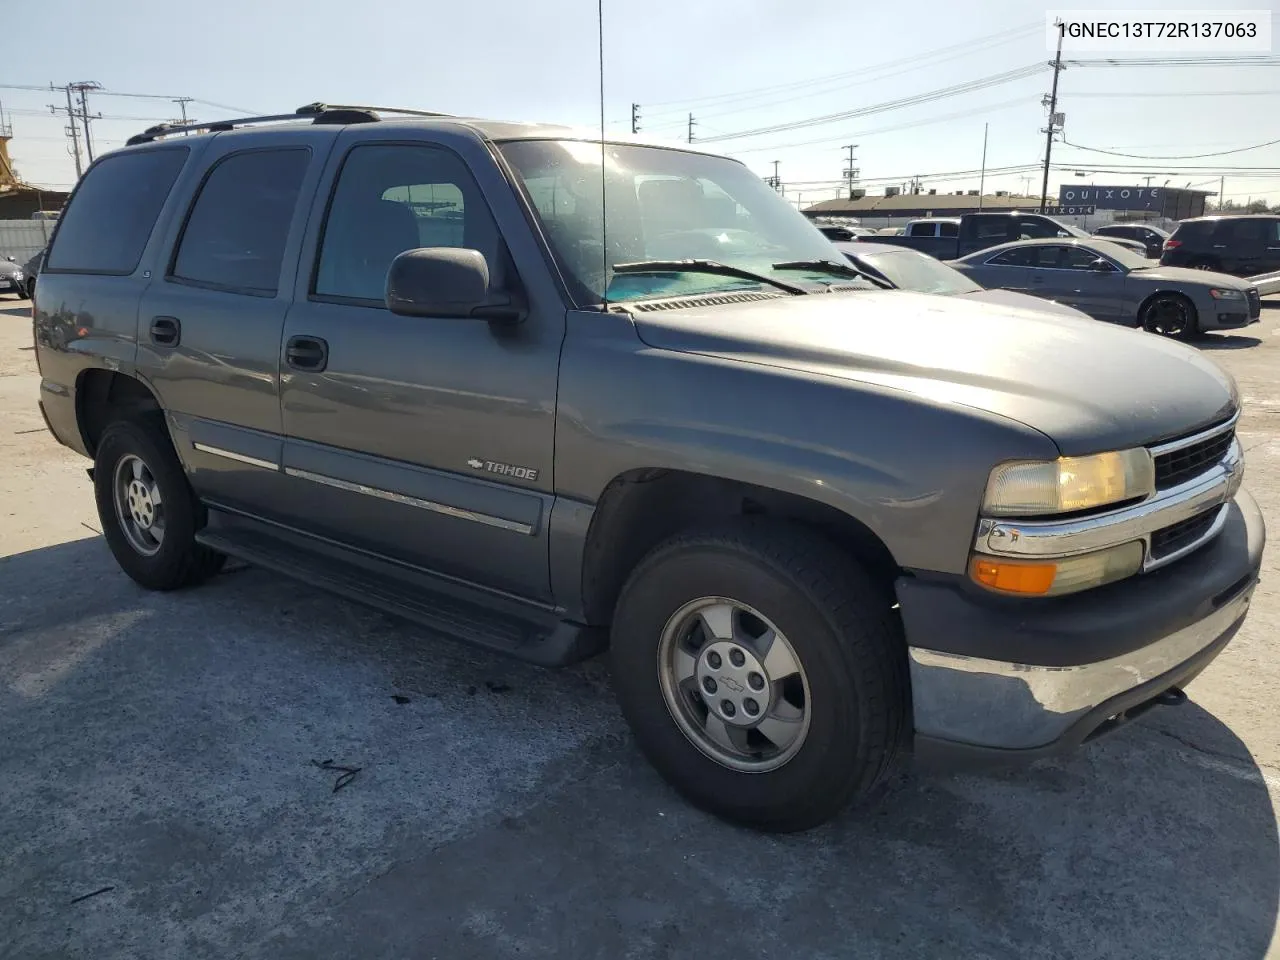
x,y
1257,206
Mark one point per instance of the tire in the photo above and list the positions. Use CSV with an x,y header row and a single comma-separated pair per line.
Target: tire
x,y
848,644
1203,265
1159,316
163,557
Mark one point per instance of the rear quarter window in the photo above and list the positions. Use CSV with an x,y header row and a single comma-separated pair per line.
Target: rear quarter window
x,y
107,224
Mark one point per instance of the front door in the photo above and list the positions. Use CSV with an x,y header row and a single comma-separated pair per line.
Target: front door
x,y
209,324
1098,292
428,441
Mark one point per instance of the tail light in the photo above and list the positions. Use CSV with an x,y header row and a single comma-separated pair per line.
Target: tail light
x,y
1172,245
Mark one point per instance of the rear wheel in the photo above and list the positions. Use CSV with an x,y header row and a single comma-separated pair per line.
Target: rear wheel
x,y
762,672
1203,265
148,511
1170,315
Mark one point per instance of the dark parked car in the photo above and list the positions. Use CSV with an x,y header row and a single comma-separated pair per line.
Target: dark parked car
x,y
1152,238
1112,283
817,528
13,280
903,269
834,231
947,238
1243,246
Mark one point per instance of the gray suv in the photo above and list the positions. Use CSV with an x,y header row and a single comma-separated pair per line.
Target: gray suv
x,y
550,396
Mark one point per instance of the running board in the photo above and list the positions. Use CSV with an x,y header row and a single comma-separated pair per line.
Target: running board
x,y
532,634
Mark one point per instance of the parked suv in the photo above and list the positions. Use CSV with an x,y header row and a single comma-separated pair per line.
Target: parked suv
x,y
547,395
1151,238
1245,246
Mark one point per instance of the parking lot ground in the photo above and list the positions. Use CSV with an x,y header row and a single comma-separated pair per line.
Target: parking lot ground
x,y
160,794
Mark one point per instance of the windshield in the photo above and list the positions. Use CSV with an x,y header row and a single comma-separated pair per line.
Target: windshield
x,y
662,205
1129,259
1073,230
912,270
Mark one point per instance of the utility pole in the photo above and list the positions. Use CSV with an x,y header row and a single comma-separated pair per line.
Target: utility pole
x,y
70,129
1051,128
635,117
692,123
183,101
83,89
982,178
777,181
850,172
1222,192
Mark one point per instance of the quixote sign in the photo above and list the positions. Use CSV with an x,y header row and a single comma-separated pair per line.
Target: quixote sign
x,y
1112,198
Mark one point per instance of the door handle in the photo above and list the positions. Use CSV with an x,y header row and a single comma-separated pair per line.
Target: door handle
x,y
166,331
307,353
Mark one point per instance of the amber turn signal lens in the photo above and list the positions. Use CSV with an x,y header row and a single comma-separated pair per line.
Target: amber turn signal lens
x,y
1030,579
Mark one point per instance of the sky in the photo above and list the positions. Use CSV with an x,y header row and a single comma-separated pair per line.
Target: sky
x,y
736,66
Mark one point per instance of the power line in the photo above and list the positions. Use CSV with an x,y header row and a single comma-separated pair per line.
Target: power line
x,y
931,55
1185,156
954,90
1171,93
1225,61
841,81
893,128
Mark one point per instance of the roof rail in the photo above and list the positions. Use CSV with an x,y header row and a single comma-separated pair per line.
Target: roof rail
x,y
320,113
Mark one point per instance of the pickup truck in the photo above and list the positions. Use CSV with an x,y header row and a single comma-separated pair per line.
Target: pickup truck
x,y
556,397
947,238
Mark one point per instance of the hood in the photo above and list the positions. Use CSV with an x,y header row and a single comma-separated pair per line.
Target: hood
x,y
1088,386
1025,301
8,269
1207,278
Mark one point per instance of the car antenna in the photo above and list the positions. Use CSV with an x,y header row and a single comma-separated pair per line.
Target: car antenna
x,y
604,214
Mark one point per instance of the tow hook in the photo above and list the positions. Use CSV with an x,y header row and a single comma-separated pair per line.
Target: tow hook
x,y
1173,697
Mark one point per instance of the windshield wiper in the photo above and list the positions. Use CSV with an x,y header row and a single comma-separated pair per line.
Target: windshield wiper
x,y
704,266
832,266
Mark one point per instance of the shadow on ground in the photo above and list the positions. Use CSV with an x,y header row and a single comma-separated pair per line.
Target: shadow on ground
x,y
1226,341
161,745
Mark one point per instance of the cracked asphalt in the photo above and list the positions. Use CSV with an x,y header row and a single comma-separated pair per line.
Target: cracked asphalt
x,y
162,794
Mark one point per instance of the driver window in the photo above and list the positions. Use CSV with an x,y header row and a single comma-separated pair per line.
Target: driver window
x,y
1078,258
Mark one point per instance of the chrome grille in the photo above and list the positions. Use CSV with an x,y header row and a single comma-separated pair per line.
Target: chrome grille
x,y
1185,463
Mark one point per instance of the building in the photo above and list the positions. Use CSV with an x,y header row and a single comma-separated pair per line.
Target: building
x,y
893,205
1128,202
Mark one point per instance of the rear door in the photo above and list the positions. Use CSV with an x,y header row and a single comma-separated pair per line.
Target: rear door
x,y
1008,270
1241,245
1271,261
210,324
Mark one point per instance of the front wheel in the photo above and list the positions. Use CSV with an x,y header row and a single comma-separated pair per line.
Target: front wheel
x,y
762,672
1170,315
148,511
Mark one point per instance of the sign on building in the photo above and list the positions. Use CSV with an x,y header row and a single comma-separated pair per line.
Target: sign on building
x,y
1070,210
1112,198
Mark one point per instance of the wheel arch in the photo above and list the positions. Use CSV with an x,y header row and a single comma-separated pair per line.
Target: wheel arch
x,y
103,396
1151,297
641,508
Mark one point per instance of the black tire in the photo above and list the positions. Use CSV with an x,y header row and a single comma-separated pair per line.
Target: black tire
x,y
1203,264
179,561
846,636
1156,317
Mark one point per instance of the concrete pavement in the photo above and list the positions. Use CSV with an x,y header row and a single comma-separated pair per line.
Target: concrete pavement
x,y
162,749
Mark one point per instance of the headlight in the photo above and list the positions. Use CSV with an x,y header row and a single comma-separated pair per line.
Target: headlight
x,y
1069,483
1226,294
1052,578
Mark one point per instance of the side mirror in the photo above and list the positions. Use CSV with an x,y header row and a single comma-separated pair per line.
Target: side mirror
x,y
445,282
1101,266
12,259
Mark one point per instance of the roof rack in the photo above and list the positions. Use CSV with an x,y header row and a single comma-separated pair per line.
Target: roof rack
x,y
320,113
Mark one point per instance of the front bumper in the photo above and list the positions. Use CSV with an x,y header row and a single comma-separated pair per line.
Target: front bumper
x,y
1017,680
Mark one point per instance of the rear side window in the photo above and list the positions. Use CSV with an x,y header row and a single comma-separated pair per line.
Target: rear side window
x,y
1017,257
106,226
1247,231
236,232
948,230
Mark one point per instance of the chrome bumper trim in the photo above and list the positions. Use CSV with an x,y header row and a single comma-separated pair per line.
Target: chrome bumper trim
x,y
1062,538
1015,706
